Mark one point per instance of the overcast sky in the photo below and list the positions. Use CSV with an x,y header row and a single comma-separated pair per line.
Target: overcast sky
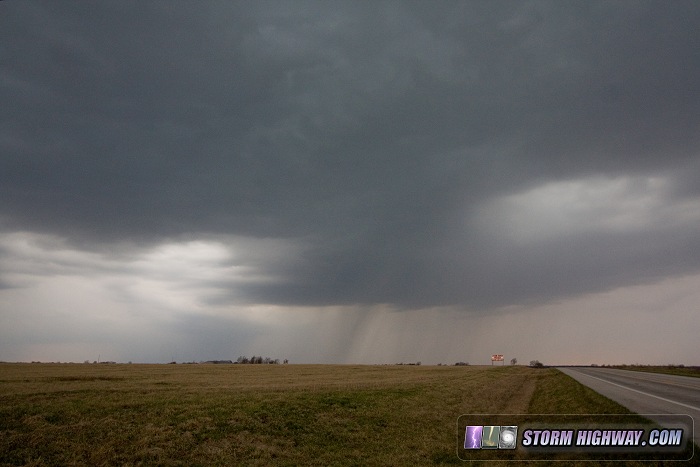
x,y
350,182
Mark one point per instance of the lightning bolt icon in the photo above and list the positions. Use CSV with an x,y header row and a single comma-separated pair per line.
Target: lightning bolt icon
x,y
472,438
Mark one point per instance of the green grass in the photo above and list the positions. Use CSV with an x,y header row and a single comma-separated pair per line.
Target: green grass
x,y
262,414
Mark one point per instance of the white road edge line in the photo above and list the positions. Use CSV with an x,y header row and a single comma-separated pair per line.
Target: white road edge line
x,y
640,392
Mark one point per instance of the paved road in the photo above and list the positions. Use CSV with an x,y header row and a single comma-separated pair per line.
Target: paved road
x,y
644,393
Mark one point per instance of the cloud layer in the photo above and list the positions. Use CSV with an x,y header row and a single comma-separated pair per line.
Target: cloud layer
x,y
393,155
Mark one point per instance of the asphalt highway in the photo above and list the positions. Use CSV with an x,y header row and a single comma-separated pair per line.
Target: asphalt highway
x,y
644,393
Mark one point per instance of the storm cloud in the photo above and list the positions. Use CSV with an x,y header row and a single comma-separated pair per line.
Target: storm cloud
x,y
468,156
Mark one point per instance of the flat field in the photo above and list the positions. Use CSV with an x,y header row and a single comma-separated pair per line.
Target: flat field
x,y
92,414
693,371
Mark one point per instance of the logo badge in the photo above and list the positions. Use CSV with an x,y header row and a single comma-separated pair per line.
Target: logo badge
x,y
491,437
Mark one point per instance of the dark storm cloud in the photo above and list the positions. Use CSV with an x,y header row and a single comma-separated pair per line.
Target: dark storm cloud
x,y
370,133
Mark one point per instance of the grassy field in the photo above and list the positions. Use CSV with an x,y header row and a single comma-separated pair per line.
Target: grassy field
x,y
693,371
88,414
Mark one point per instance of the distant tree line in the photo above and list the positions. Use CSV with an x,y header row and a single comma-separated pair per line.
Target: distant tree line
x,y
259,360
